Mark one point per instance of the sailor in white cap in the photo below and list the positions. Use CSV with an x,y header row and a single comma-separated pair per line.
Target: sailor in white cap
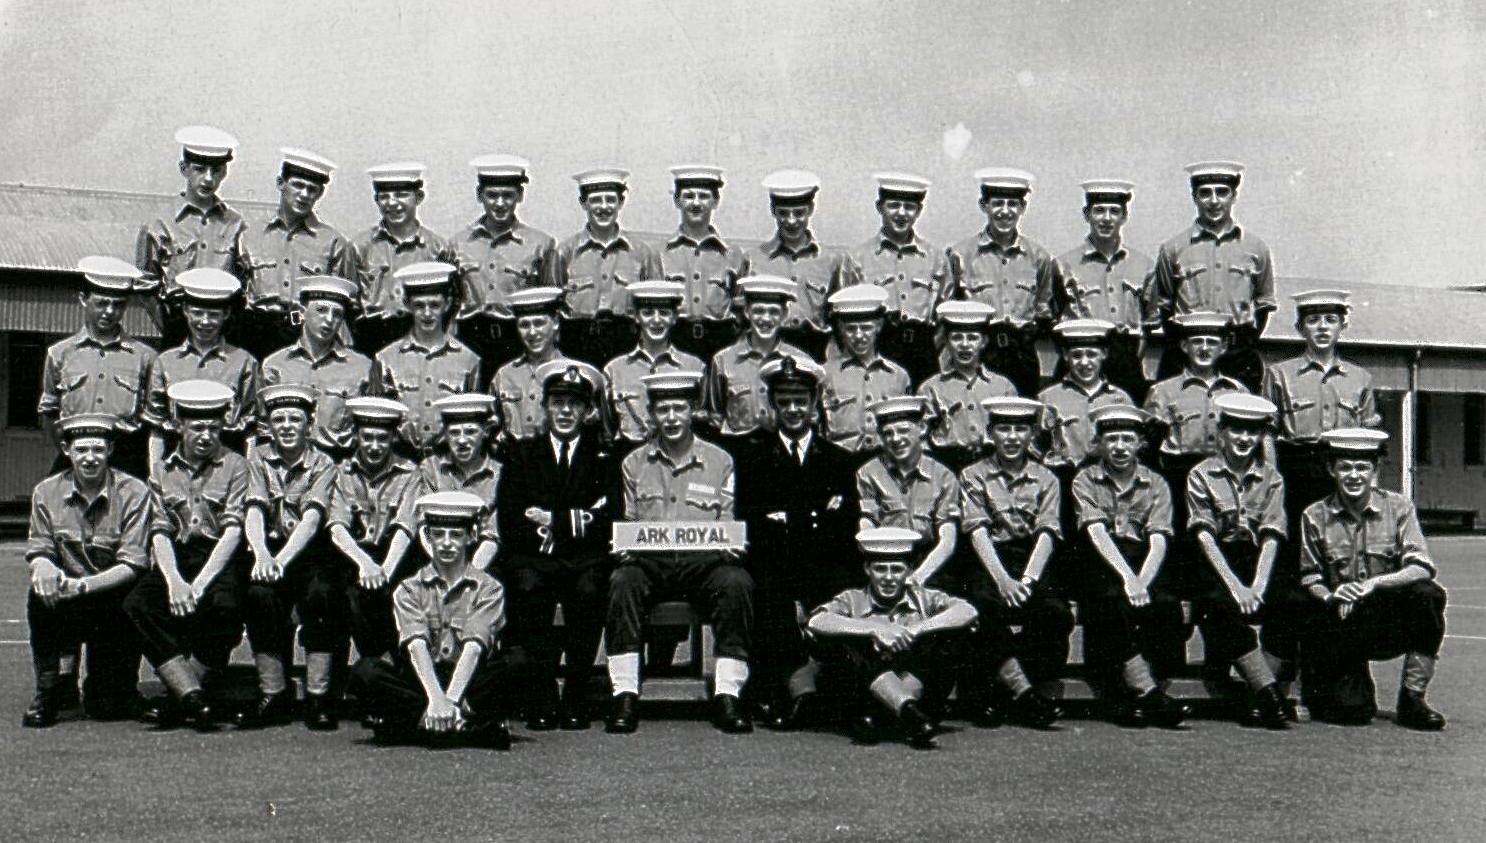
x,y
914,272
707,266
895,639
318,359
858,375
1085,347
794,253
208,296
656,304
1007,270
289,487
736,395
188,608
1376,604
953,395
1216,264
594,267
427,363
85,548
515,384
202,231
448,680
398,239
497,255
558,497
464,461
101,368
1104,278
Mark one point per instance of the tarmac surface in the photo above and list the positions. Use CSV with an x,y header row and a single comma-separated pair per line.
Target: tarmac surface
x,y
678,779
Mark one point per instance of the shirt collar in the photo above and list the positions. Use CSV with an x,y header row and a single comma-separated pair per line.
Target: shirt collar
x,y
179,461
804,441
996,468
912,247
1018,244
1310,362
774,247
188,349
299,349
310,223
482,228
104,492
271,455
86,337
1100,388
409,343
1220,468
1098,473
655,454
710,239
746,350
217,209
1092,253
394,464
557,444
1234,231
918,469
1339,510
486,465
383,234
588,241
638,353
1189,378
429,575
877,361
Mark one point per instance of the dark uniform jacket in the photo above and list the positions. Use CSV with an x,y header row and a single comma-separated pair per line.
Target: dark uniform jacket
x,y
582,501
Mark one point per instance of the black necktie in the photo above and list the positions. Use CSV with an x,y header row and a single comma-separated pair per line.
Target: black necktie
x,y
562,457
794,451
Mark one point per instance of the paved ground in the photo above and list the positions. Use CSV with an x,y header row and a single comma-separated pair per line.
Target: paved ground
x,y
680,780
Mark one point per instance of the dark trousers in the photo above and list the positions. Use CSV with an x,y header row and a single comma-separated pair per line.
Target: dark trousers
x,y
368,612
704,337
314,584
786,576
1227,633
721,592
1115,631
210,632
261,332
598,339
534,588
850,663
491,337
1303,465
389,687
1011,352
1046,621
97,620
911,345
1385,624
374,333
807,339
1183,556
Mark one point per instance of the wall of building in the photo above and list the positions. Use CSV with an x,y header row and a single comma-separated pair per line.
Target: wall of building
x,y
1444,479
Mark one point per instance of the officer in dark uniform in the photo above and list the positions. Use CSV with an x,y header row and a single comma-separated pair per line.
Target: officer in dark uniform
x,y
797,494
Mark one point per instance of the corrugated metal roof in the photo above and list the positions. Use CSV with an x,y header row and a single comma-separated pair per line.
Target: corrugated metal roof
x,y
1393,315
53,309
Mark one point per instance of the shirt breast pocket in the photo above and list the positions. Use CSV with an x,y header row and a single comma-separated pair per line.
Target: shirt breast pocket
x,y
341,392
313,267
71,382
128,385
448,387
1350,410
1301,405
706,502
579,283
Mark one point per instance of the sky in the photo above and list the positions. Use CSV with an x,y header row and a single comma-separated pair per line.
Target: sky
x,y
1363,123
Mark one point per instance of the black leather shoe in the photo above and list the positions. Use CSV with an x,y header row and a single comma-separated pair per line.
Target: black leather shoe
x,y
541,719
624,714
1415,713
1034,710
795,713
319,714
196,713
918,728
1267,709
988,714
492,734
1158,709
572,715
865,729
161,712
729,716
270,710
42,713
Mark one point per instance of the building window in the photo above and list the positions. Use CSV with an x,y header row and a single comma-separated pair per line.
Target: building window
x,y
23,382
1475,419
1423,430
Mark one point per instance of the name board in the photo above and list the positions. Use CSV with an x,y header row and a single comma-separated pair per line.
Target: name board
x,y
672,536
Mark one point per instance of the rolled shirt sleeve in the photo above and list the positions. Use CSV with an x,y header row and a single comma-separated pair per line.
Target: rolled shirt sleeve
x,y
487,615
408,613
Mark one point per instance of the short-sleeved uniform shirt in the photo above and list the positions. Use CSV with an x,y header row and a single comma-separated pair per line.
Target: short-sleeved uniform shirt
x,y
1236,507
1132,514
1070,433
492,265
197,503
369,507
818,271
594,275
223,363
1184,403
379,254
923,499
275,254
710,269
956,419
286,491
696,487
447,615
440,473
83,374
736,393
190,239
915,275
627,398
1336,548
418,375
519,395
849,388
337,376
916,603
84,537
1199,269
1017,280
1313,398
1113,288
1009,504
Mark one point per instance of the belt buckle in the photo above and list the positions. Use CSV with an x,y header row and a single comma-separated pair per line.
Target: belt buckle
x,y
908,335
1003,340
698,330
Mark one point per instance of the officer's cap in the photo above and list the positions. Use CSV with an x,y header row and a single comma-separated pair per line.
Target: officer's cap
x,y
1202,323
656,293
859,301
768,288
1118,417
1118,191
1220,172
287,395
534,300
208,286
367,411
199,398
1011,408
889,410
501,169
601,178
105,274
1354,441
901,186
205,144
792,187
1322,301
448,509
306,164
790,370
406,175
469,406
1244,409
328,288
425,277
965,314
570,377
1076,332
887,542
697,175
680,384
1005,181
79,425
